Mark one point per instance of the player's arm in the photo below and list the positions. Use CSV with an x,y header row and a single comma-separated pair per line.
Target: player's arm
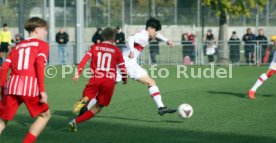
x,y
163,38
4,72
131,41
123,70
81,65
40,62
122,67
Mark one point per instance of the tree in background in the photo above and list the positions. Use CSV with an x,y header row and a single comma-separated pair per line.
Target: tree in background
x,y
225,8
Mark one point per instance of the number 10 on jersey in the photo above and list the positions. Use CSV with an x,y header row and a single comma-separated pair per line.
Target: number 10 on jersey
x,y
104,61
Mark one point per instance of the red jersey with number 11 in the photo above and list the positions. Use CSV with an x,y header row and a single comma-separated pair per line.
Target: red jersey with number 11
x,y
26,61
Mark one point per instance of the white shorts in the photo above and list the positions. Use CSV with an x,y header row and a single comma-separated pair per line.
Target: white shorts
x,y
273,62
134,70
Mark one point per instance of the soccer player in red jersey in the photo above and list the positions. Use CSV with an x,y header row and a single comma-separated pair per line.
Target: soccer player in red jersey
x,y
264,76
26,80
105,57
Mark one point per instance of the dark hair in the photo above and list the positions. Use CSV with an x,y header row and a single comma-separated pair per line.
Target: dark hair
x,y
109,34
234,32
35,22
182,36
153,23
5,25
99,29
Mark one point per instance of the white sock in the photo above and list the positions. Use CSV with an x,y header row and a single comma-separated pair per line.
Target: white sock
x,y
91,103
259,82
156,96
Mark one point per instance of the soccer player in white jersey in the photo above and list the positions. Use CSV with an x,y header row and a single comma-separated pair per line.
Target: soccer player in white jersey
x,y
264,76
131,53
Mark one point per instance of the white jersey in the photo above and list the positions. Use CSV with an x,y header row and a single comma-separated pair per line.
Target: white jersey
x,y
141,40
136,43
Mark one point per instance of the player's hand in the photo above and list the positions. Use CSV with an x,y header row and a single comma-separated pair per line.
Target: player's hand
x,y
44,97
131,55
169,43
76,78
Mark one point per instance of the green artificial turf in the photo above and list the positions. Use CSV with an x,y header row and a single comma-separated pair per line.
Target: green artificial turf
x,y
222,113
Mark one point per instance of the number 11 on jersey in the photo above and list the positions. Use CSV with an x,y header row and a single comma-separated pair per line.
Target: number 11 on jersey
x,y
23,53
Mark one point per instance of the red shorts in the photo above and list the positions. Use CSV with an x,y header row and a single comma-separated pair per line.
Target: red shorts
x,y
101,89
10,104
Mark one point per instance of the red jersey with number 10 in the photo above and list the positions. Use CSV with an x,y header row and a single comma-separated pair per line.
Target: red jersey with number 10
x,y
104,60
26,61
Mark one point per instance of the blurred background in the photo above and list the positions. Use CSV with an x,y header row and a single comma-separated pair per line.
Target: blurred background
x,y
177,17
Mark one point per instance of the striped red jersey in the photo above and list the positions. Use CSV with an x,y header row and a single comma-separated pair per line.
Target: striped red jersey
x,y
26,61
105,58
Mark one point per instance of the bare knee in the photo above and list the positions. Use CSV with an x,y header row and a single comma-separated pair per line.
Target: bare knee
x,y
97,108
46,115
147,81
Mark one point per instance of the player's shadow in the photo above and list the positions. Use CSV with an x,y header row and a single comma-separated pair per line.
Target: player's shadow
x,y
122,132
267,95
63,113
70,115
240,95
139,120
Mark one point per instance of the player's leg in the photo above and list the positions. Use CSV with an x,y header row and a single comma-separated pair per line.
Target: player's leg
x,y
6,51
84,117
155,94
105,92
3,124
259,82
89,113
41,112
263,78
88,106
80,104
10,104
89,93
37,127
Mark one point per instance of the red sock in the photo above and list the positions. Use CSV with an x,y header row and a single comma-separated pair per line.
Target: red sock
x,y
30,138
270,73
85,116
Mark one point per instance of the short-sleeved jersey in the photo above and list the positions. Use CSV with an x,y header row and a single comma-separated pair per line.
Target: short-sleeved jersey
x,y
104,60
23,78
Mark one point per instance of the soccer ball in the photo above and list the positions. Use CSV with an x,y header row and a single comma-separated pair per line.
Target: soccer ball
x,y
185,111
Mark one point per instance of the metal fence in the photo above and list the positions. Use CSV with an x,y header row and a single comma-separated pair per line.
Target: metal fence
x,y
188,54
130,12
